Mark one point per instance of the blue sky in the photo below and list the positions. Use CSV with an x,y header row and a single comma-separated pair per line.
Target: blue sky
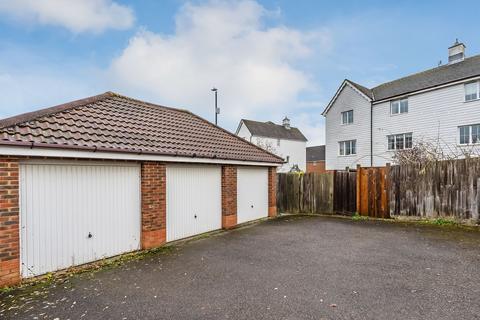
x,y
268,58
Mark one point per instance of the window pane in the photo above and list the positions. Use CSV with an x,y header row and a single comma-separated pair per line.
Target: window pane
x,y
395,107
471,91
465,135
404,106
348,149
350,116
342,148
344,117
476,133
408,140
399,141
391,142
354,146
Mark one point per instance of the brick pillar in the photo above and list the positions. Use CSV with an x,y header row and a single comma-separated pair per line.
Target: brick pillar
x,y
154,209
272,191
229,197
9,222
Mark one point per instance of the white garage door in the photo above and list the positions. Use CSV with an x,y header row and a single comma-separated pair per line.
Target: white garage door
x,y
194,200
74,213
252,194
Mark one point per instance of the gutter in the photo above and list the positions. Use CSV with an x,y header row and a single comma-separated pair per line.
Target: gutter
x,y
94,149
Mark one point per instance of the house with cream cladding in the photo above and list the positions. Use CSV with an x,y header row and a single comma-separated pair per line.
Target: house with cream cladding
x,y
281,139
439,107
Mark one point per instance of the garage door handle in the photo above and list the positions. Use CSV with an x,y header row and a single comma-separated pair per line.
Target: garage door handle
x,y
90,235
195,216
251,206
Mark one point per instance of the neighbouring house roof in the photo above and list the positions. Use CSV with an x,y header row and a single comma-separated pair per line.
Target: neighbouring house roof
x,y
272,130
428,79
111,122
316,153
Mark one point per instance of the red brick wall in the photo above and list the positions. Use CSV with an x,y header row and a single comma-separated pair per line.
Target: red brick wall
x,y
316,167
229,196
272,191
9,222
154,209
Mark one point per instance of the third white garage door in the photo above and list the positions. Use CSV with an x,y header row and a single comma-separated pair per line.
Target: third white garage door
x,y
252,194
194,200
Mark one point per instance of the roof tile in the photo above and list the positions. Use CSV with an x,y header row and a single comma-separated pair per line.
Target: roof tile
x,y
111,122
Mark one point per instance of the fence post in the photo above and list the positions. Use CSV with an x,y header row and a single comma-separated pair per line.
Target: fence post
x,y
387,189
359,187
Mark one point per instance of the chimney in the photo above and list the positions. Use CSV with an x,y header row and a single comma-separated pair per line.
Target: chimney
x,y
286,123
456,52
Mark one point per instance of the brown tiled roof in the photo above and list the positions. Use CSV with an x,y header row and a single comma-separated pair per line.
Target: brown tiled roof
x,y
111,122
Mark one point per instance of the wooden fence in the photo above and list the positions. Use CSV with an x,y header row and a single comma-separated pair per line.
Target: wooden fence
x,y
305,193
372,192
345,192
442,189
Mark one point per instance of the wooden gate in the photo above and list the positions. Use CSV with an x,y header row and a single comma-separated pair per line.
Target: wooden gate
x,y
372,192
345,192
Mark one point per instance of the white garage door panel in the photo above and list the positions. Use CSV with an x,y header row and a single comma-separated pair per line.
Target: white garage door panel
x,y
61,204
252,194
194,201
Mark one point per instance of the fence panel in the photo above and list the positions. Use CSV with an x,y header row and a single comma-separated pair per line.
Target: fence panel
x,y
441,189
372,192
345,192
305,193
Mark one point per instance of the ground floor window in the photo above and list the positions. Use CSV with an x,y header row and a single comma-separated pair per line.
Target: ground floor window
x,y
348,147
400,141
469,134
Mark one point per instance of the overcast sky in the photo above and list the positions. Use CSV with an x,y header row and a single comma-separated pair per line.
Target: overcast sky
x,y
267,58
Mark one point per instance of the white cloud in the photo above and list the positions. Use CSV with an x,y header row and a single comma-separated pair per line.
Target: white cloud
x,y
76,15
227,44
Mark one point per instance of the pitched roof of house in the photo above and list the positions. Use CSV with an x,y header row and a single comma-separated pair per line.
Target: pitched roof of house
x,y
272,130
428,79
113,123
468,68
316,153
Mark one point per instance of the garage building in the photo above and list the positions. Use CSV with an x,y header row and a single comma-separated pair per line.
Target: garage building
x,y
109,174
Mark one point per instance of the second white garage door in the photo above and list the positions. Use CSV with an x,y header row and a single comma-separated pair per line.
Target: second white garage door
x,y
194,200
252,194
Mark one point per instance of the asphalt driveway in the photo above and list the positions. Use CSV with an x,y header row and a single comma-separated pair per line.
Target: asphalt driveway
x,y
289,268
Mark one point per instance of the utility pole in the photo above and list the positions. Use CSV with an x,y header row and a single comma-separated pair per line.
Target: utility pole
x,y
217,110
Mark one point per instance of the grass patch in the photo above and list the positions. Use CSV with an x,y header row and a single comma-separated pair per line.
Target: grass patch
x,y
357,217
441,222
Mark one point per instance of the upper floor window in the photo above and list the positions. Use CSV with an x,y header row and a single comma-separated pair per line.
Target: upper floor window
x,y
347,117
347,147
399,106
469,134
400,141
472,91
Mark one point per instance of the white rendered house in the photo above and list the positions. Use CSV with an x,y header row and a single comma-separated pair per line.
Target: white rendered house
x,y
283,140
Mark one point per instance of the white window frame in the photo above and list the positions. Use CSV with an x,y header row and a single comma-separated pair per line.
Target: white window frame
x,y
470,135
465,91
348,118
399,106
395,136
344,143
